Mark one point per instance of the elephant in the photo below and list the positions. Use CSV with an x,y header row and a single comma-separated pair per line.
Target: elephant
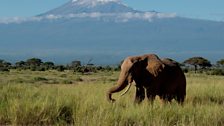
x,y
153,76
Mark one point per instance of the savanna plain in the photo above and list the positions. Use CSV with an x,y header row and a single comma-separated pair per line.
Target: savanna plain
x,y
70,98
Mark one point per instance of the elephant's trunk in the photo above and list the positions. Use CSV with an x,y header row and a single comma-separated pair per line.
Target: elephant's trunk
x,y
121,84
115,89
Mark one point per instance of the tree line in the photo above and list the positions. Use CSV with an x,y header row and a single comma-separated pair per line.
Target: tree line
x,y
36,64
196,64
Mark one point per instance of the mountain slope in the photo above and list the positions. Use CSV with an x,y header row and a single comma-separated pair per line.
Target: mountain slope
x,y
107,40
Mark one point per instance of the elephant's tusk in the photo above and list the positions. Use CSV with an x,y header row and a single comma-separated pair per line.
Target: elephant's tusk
x,y
129,86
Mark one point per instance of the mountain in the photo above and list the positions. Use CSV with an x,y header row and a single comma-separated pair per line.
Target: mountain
x,y
106,31
89,6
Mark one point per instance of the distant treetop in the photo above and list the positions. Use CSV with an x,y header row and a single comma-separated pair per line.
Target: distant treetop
x,y
198,61
220,62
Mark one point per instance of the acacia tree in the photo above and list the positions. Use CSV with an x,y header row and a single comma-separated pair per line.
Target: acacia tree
x,y
4,66
20,64
34,62
76,63
48,65
220,62
4,63
198,61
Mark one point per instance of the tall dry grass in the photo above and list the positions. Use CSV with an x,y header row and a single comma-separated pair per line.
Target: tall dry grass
x,y
46,98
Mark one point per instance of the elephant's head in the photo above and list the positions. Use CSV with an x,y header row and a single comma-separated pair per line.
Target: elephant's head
x,y
133,67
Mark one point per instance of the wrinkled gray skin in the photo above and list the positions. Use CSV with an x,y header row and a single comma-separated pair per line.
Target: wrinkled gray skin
x,y
153,76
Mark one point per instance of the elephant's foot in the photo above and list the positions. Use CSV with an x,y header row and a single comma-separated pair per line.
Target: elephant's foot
x,y
164,102
151,97
180,99
165,99
139,98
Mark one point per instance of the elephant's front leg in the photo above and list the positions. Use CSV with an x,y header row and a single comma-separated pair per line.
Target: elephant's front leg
x,y
140,94
151,96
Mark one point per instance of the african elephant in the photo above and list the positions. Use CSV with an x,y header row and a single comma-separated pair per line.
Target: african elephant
x,y
153,75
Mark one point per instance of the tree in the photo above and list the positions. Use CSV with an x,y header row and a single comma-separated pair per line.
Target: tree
x,y
76,63
198,61
4,66
4,63
1,61
34,62
220,62
20,64
48,65
60,68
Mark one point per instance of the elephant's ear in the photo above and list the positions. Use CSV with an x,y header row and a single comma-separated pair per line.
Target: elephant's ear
x,y
155,65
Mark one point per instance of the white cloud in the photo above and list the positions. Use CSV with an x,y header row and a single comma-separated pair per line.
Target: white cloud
x,y
51,17
149,16
17,20
118,17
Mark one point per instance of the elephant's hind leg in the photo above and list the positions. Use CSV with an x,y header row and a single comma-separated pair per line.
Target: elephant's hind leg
x,y
140,94
180,96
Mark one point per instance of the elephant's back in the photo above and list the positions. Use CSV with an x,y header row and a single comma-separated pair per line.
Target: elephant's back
x,y
175,78
170,62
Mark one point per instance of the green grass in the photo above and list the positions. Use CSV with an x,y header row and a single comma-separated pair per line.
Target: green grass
x,y
61,98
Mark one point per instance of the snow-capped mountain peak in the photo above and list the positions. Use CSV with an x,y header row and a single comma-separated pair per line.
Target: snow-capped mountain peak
x,y
94,2
91,6
105,10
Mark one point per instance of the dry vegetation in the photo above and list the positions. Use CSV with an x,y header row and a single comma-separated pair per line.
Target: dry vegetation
x,y
60,98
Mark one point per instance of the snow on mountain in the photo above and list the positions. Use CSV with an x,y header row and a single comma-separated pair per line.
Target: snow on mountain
x,y
106,10
92,3
90,6
103,9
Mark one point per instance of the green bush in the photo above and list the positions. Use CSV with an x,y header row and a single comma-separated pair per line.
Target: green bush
x,y
60,68
216,72
3,69
40,79
67,82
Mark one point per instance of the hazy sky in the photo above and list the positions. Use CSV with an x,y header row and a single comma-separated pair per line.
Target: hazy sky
x,y
203,9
